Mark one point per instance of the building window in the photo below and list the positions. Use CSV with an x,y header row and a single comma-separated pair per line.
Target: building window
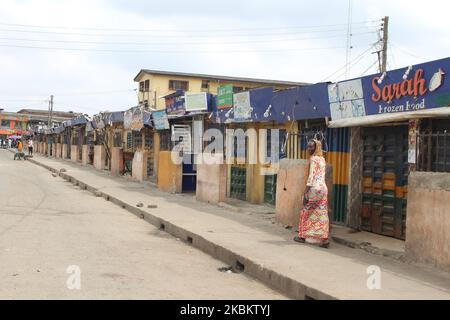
x,y
118,139
281,138
178,85
137,140
205,84
144,86
129,144
164,140
5,123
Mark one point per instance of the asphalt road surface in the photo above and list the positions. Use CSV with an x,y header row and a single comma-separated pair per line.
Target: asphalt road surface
x,y
59,242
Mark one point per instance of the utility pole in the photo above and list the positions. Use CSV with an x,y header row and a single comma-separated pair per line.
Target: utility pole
x,y
349,40
385,42
50,112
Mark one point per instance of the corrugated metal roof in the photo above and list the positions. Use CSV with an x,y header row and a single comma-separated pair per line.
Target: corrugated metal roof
x,y
217,77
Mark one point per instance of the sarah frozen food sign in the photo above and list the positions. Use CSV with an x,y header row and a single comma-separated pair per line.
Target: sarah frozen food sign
x,y
418,87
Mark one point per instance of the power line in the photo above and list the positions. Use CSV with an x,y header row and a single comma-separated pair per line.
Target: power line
x,y
93,93
406,51
188,30
345,66
168,51
352,64
178,43
365,71
182,36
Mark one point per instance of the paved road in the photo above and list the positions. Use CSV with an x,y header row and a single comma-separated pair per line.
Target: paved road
x,y
48,225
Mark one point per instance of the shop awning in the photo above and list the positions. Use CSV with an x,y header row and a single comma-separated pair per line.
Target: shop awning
x,y
389,117
58,130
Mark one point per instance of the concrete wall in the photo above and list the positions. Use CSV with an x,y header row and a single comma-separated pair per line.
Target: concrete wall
x,y
212,180
58,150
170,174
139,166
428,219
117,165
291,185
84,155
64,151
99,157
74,153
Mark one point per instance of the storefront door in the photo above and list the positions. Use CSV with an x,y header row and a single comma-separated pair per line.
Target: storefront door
x,y
385,177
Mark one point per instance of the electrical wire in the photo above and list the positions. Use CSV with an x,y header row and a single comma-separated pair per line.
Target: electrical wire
x,y
190,30
345,66
353,63
182,36
177,43
365,71
168,51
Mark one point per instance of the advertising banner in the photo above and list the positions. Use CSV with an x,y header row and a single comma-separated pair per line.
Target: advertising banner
x,y
413,88
160,120
196,101
242,108
225,96
175,104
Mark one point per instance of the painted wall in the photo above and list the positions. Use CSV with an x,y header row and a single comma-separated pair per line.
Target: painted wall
x,y
211,181
99,157
428,219
139,170
170,175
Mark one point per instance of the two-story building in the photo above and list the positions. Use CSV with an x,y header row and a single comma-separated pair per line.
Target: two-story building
x,y
154,85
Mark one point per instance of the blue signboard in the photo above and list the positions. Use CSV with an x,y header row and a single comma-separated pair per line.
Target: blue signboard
x,y
413,88
175,103
160,121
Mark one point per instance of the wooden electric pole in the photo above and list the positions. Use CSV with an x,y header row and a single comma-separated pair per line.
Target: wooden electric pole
x,y
385,43
50,116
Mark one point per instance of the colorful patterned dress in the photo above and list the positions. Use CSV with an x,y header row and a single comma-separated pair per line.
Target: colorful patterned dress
x,y
314,223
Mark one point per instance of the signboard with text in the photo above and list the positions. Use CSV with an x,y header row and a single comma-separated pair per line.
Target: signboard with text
x,y
418,87
225,96
160,120
196,101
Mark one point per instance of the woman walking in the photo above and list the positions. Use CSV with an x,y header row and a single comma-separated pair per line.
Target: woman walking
x,y
314,223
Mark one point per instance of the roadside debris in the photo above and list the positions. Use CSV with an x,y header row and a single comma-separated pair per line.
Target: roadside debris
x,y
225,269
62,170
54,175
139,205
98,194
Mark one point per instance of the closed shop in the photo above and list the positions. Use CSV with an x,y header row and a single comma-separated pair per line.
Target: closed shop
x,y
385,179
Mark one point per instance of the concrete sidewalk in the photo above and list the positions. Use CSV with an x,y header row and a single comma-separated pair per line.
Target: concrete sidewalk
x,y
264,250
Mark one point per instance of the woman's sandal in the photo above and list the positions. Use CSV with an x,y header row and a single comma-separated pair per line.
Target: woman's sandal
x,y
298,239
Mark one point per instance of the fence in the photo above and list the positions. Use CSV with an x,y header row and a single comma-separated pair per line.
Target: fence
x,y
433,152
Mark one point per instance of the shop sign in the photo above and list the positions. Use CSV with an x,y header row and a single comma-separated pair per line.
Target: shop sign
x,y
225,96
175,105
196,101
160,120
242,108
418,87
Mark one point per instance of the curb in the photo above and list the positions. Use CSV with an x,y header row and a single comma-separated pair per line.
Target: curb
x,y
367,246
286,285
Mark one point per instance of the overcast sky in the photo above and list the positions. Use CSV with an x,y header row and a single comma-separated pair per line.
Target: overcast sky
x,y
87,52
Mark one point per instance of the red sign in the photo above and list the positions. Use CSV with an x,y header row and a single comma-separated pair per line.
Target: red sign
x,y
412,87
